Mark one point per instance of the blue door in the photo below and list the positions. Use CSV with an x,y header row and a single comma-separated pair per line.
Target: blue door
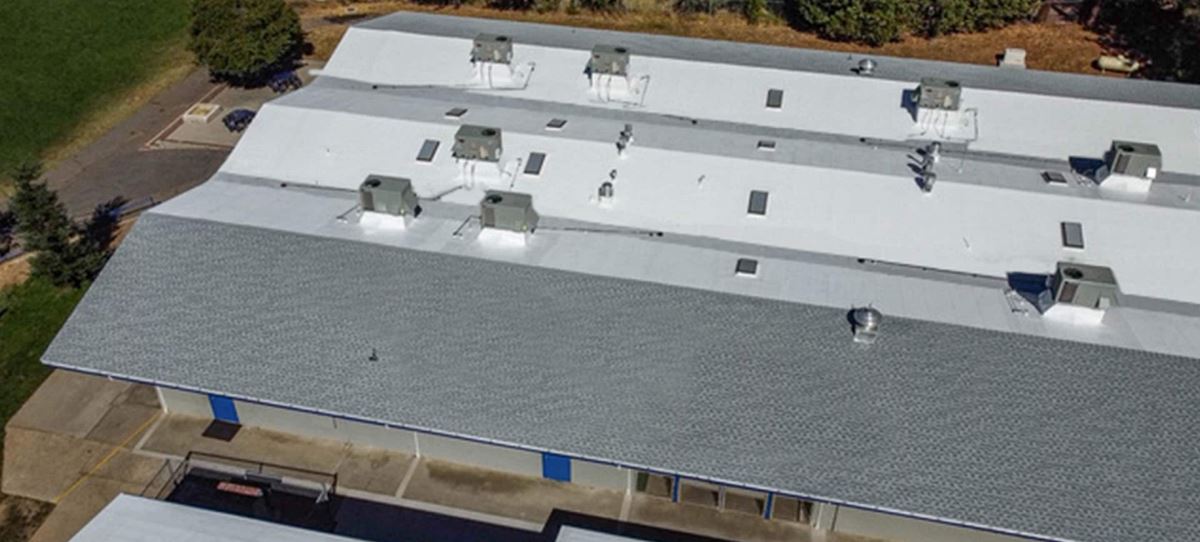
x,y
223,408
556,467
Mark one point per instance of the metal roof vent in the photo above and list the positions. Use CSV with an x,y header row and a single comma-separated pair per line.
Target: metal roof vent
x,y
510,211
609,60
1089,286
866,66
865,322
492,48
1142,160
388,195
934,93
473,142
606,192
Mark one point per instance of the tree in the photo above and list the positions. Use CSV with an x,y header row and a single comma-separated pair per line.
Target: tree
x,y
62,252
937,17
870,21
245,41
1166,33
879,21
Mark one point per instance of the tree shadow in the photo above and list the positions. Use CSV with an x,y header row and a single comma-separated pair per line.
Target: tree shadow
x,y
1036,288
101,227
8,225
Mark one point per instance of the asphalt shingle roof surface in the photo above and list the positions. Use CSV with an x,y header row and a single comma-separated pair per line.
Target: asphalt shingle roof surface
x,y
1039,436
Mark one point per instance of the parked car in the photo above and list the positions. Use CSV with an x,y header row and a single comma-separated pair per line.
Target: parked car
x,y
285,81
238,119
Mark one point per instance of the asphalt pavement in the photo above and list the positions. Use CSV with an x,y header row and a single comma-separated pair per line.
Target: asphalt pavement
x,y
118,166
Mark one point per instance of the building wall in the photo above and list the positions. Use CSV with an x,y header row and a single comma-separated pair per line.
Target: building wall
x,y
182,402
899,529
824,516
599,475
324,427
480,455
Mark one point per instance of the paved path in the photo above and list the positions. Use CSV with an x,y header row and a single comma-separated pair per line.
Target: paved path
x,y
117,166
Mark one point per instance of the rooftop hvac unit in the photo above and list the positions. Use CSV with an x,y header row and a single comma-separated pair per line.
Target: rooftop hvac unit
x,y
388,195
510,211
492,48
1134,159
477,143
1089,286
936,93
609,60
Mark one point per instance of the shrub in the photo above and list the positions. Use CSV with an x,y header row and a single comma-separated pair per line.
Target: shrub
x,y
936,17
245,41
870,21
756,11
599,5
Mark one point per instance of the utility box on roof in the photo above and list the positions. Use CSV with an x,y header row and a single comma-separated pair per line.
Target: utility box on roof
x,y
1134,159
508,211
609,60
939,94
388,195
1089,286
492,48
477,143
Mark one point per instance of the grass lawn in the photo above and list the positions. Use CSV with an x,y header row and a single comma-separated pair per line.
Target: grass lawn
x,y
62,63
30,315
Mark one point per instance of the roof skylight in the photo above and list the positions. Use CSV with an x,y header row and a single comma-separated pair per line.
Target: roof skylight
x,y
758,203
534,165
746,267
775,98
428,150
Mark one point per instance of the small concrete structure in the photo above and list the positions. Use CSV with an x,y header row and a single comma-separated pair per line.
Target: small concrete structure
x,y
201,113
1013,58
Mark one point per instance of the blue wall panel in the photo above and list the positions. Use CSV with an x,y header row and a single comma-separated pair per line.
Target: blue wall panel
x,y
556,467
223,408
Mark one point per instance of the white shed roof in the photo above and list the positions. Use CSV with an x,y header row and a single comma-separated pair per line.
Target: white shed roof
x,y
137,519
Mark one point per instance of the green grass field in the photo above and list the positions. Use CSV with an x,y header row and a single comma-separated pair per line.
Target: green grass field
x,y
31,315
62,59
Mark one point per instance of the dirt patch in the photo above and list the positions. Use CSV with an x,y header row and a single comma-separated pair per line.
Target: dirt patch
x,y
20,518
459,477
14,271
1050,46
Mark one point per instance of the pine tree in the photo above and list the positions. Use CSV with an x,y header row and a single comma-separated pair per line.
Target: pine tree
x,y
62,252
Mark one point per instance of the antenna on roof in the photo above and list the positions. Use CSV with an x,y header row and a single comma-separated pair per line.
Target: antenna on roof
x,y
606,192
624,139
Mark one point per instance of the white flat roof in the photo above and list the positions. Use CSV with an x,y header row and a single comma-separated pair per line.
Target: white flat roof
x,y
983,217
1017,123
137,519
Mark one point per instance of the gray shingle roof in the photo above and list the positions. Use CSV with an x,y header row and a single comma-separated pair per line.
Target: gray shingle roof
x,y
1039,436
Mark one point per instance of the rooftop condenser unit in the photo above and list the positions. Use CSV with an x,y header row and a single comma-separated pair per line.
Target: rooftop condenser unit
x,y
477,143
934,93
510,211
1134,159
1089,286
492,48
609,60
389,195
